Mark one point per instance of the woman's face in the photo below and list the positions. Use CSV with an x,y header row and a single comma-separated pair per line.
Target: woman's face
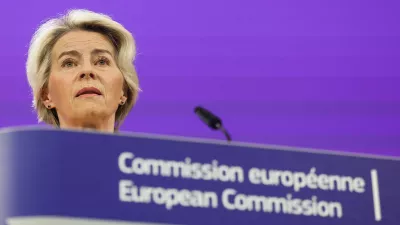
x,y
85,83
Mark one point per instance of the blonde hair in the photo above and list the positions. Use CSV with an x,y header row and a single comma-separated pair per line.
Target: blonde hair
x,y
39,57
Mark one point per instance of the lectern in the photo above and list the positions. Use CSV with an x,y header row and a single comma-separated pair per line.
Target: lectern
x,y
51,177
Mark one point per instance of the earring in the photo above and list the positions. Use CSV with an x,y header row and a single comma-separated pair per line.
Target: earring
x,y
122,103
49,106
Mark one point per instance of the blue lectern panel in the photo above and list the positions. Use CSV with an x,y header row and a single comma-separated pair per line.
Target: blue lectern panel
x,y
57,174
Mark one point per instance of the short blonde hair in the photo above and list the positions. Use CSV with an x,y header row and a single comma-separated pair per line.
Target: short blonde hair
x,y
39,57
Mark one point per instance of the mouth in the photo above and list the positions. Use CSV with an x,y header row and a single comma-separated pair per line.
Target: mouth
x,y
88,92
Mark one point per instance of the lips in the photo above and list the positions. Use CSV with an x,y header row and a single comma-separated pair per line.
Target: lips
x,y
88,91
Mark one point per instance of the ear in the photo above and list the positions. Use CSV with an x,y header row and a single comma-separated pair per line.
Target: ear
x,y
46,99
122,100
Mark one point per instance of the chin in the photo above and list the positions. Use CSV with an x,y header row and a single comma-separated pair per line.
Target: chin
x,y
92,113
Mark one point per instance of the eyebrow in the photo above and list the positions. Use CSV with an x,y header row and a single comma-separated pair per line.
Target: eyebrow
x,y
95,51
73,52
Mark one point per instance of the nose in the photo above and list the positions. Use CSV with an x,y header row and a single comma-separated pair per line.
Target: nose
x,y
87,72
87,75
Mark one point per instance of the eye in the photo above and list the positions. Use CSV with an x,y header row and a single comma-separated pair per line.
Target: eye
x,y
102,61
68,63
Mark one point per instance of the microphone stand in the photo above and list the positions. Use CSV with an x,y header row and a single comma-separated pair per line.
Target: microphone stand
x,y
224,131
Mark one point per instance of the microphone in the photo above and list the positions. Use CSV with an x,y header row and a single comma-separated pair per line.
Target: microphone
x,y
211,120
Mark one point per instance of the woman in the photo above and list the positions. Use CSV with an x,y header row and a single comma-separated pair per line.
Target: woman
x,y
80,69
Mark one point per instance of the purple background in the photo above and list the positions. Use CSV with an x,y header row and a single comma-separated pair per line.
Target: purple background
x,y
320,74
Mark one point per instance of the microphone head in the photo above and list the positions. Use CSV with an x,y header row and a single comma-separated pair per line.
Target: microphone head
x,y
208,118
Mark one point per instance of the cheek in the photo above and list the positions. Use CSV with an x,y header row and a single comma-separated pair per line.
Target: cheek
x,y
115,86
58,88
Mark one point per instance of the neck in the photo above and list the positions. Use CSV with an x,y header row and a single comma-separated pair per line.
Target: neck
x,y
103,125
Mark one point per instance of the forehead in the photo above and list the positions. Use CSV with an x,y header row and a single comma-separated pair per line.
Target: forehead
x,y
82,41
